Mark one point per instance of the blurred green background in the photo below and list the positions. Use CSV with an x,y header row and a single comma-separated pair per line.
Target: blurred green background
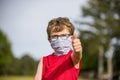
x,y
100,41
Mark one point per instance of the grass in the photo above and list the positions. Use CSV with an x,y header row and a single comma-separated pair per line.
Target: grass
x,y
23,78
16,78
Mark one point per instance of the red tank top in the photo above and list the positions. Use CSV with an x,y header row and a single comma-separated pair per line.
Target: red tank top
x,y
59,68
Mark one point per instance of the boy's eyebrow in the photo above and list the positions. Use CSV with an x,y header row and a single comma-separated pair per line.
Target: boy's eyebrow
x,y
59,35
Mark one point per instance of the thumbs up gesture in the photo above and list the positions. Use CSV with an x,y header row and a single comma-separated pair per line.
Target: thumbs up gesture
x,y
76,47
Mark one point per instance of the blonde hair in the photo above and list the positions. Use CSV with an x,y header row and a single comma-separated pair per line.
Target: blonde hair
x,y
59,24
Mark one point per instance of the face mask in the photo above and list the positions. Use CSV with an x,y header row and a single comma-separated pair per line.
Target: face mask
x,y
61,47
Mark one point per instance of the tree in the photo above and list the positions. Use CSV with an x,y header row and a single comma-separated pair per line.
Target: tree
x,y
27,65
9,65
116,60
105,21
5,54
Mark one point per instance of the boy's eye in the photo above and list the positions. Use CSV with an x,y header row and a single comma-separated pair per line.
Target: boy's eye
x,y
62,36
53,36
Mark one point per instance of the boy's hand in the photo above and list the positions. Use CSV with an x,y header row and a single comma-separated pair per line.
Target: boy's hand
x,y
76,47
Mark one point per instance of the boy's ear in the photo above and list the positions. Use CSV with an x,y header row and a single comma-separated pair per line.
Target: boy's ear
x,y
49,39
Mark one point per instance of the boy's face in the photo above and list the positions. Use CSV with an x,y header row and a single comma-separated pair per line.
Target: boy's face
x,y
59,34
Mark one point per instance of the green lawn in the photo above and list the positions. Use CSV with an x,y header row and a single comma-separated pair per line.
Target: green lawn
x,y
21,78
16,78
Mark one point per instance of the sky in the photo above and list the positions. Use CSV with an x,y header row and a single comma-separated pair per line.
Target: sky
x,y
25,21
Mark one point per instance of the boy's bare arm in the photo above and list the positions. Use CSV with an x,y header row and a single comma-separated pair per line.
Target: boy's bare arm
x,y
38,75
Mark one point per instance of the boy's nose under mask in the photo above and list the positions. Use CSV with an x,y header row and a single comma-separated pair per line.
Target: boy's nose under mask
x,y
61,47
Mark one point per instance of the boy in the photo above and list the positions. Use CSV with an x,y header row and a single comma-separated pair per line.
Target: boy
x,y
65,62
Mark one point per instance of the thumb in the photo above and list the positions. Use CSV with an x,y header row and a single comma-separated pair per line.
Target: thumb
x,y
74,36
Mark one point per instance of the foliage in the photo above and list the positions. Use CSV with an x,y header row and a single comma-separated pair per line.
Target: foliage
x,y
9,65
103,27
28,65
5,54
116,59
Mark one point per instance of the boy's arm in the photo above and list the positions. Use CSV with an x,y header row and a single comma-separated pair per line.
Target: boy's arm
x,y
38,75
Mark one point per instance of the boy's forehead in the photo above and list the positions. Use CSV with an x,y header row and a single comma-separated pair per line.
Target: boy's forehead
x,y
64,31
